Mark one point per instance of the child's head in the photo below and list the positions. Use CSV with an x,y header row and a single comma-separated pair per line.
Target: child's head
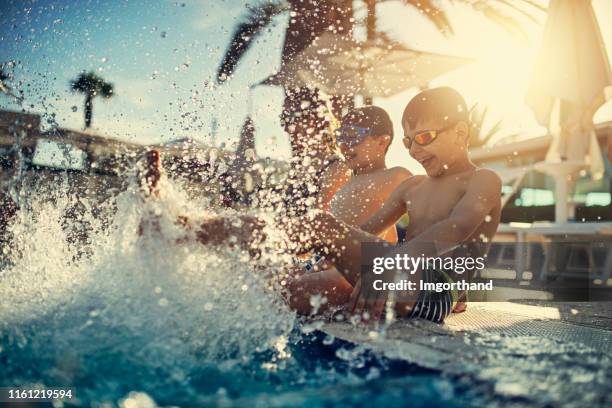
x,y
436,129
365,136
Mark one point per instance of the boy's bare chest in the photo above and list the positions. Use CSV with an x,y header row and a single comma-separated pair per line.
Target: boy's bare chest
x,y
364,189
432,201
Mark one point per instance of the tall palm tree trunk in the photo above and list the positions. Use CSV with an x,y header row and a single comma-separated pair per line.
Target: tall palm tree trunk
x,y
371,33
88,110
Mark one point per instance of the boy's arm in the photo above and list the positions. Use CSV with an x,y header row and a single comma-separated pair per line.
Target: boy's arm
x,y
482,195
331,181
391,211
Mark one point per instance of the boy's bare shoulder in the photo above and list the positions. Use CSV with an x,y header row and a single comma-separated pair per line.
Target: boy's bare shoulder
x,y
411,182
398,173
486,178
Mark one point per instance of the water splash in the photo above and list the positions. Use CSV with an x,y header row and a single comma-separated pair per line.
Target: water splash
x,y
82,299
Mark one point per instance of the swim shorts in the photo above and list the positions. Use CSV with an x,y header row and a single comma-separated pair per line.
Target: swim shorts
x,y
432,305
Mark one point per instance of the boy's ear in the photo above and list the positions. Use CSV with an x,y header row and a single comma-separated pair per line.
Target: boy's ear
x,y
385,140
463,133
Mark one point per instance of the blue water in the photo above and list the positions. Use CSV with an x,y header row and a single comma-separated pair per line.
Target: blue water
x,y
314,376
315,371
136,321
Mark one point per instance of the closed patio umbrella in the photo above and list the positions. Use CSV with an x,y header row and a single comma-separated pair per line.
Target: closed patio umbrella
x,y
567,87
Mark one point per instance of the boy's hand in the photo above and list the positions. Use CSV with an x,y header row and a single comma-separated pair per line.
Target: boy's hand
x,y
367,302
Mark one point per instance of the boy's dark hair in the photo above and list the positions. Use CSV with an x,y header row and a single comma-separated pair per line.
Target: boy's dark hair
x,y
372,117
444,104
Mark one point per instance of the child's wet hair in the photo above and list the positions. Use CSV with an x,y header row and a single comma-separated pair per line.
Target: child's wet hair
x,y
372,117
443,104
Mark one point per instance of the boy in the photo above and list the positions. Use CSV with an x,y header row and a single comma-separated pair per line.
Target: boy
x,y
363,139
454,209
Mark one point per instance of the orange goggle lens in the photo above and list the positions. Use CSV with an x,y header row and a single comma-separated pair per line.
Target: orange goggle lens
x,y
425,137
422,139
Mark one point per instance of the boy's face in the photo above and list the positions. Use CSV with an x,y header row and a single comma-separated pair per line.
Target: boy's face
x,y
442,144
362,153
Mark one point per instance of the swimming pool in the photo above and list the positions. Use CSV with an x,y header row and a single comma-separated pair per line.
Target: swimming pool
x,y
134,321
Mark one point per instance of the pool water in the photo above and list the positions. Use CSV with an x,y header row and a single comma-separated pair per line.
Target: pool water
x,y
137,321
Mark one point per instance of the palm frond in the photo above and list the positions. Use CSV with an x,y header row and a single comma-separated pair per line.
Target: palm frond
x,y
478,137
107,90
486,138
244,34
91,83
501,12
496,14
505,13
522,11
433,13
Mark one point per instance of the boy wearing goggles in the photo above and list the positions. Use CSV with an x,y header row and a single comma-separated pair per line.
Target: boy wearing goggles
x,y
363,139
454,211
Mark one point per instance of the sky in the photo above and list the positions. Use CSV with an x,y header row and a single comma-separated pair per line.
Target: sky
x,y
162,55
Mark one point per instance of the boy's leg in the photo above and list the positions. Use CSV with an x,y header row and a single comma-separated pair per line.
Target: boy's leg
x,y
339,242
215,231
343,243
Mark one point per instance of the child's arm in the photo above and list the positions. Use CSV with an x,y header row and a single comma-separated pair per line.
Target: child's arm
x,y
482,195
391,211
331,181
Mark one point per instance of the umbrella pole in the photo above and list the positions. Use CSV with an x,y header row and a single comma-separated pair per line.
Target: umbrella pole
x,y
561,172
561,206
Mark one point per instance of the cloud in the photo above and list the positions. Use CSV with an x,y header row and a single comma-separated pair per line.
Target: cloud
x,y
139,92
215,15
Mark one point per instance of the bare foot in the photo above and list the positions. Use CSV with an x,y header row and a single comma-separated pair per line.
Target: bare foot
x,y
460,307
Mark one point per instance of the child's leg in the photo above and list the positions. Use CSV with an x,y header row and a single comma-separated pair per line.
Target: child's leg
x,y
246,229
340,242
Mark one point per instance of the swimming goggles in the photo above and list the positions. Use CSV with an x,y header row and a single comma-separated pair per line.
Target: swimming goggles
x,y
351,135
424,137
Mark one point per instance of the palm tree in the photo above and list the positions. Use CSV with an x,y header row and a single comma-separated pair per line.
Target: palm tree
x,y
91,85
479,137
311,18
